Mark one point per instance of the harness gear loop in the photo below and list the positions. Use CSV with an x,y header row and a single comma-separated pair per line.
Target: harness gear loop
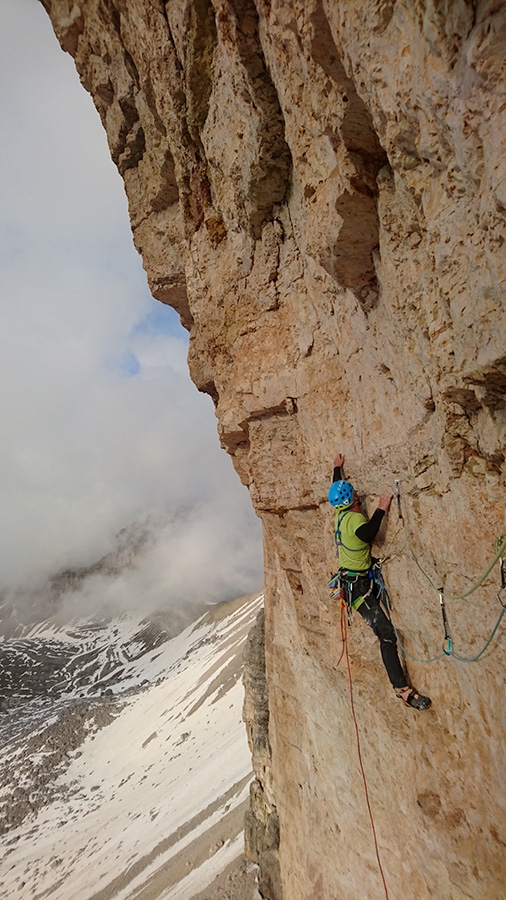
x,y
339,591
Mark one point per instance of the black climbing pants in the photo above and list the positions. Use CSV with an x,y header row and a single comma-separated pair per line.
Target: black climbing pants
x,y
372,613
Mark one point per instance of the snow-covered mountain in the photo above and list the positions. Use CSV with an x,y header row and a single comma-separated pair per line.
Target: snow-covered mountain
x,y
124,763
48,659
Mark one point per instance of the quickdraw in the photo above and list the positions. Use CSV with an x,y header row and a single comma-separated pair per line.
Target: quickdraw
x,y
447,642
499,542
447,648
398,495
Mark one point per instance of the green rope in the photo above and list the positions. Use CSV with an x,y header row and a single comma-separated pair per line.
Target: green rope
x,y
499,548
499,544
386,555
446,652
467,659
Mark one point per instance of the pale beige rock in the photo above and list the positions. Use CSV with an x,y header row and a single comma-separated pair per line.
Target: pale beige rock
x,y
319,187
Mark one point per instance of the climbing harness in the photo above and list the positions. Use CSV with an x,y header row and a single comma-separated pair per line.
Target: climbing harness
x,y
341,588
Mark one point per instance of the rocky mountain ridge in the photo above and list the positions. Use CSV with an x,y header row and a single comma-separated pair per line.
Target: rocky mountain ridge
x,y
319,189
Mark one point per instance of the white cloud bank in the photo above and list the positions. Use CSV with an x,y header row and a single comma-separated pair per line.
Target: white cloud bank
x,y
100,423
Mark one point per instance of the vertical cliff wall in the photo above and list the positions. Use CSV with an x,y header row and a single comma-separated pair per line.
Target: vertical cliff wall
x,y
319,188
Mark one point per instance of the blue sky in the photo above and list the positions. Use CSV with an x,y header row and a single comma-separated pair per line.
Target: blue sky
x,y
101,424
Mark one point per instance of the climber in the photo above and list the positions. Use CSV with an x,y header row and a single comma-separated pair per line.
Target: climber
x,y
354,535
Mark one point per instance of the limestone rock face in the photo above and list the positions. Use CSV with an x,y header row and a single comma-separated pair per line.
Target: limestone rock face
x,y
319,188
262,824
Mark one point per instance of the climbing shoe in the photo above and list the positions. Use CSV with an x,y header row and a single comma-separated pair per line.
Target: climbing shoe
x,y
412,698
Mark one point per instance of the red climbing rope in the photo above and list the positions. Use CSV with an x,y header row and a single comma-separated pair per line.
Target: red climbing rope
x,y
344,638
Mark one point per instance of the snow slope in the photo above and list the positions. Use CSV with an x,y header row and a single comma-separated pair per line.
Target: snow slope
x,y
149,804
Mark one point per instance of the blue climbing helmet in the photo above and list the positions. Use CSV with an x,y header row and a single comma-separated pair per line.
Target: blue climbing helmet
x,y
341,494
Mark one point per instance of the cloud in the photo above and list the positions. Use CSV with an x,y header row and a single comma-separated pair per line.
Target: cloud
x,y
101,425
191,557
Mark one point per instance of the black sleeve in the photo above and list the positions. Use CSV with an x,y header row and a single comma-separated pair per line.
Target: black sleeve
x,y
337,476
368,531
